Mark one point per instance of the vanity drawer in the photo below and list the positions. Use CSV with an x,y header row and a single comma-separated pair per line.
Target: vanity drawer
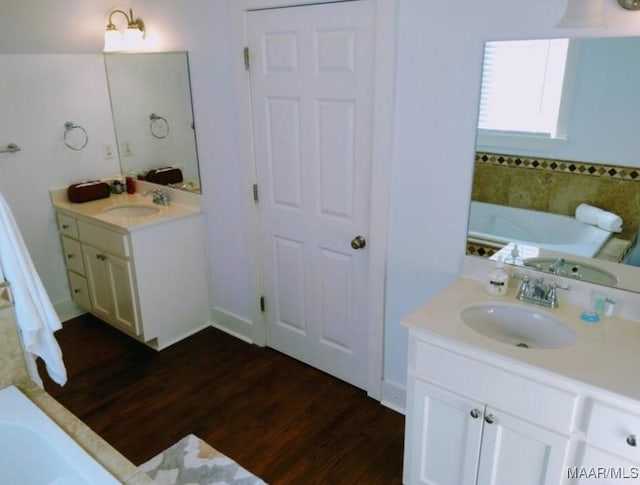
x,y
79,290
610,428
67,225
530,399
111,241
72,255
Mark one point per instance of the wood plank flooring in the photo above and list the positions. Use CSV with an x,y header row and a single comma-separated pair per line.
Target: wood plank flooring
x,y
283,420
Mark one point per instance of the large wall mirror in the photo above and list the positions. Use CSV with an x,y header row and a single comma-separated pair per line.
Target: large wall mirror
x,y
153,116
561,197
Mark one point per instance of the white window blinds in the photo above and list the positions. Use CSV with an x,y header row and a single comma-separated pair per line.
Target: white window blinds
x,y
522,86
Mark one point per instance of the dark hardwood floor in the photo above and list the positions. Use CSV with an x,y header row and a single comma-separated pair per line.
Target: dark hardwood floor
x,y
283,420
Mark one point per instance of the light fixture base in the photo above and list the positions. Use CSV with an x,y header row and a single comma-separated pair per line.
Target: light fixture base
x,y
630,4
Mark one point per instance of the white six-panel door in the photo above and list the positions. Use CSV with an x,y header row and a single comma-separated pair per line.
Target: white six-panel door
x,y
311,81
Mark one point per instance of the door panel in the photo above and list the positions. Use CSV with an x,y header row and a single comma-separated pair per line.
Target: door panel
x,y
97,281
515,451
311,82
449,437
336,128
122,288
283,125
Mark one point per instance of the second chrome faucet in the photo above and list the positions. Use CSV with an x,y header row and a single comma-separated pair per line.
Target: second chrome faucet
x,y
536,292
159,196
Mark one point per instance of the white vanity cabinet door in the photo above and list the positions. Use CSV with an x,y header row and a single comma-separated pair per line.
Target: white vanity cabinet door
x,y
111,287
67,225
444,433
515,451
79,290
72,255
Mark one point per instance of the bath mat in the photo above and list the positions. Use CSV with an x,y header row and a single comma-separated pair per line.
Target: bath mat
x,y
192,461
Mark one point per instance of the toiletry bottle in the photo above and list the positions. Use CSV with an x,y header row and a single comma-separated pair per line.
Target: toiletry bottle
x,y
498,282
130,180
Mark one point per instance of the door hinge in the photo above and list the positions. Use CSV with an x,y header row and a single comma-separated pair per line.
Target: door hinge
x,y
263,304
255,193
246,58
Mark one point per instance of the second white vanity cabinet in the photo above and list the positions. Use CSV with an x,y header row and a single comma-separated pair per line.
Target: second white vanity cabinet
x,y
482,412
470,423
148,279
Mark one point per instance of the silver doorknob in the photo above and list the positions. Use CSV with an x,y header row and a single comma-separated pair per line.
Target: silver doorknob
x,y
631,440
475,413
489,418
358,242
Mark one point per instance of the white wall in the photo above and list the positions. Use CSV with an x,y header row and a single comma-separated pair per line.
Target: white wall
x,y
38,94
438,78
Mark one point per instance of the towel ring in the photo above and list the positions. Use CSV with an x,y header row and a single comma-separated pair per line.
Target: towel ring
x,y
159,126
10,148
76,145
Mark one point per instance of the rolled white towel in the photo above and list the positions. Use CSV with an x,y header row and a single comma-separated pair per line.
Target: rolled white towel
x,y
598,217
610,221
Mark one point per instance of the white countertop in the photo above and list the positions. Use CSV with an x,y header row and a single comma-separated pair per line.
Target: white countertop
x,y
606,354
95,210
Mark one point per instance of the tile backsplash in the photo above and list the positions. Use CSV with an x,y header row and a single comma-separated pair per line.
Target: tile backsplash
x,y
557,186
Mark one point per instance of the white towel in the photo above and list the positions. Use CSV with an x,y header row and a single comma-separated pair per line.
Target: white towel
x,y
35,315
598,217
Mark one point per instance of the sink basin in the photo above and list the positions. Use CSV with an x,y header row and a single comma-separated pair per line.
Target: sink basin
x,y
575,269
132,210
518,325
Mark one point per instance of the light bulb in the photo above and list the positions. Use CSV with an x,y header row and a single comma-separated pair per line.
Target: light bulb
x,y
113,40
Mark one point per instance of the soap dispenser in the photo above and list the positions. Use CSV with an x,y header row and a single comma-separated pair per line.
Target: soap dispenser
x,y
498,280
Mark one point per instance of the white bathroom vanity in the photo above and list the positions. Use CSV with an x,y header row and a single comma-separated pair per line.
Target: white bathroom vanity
x,y
139,266
483,410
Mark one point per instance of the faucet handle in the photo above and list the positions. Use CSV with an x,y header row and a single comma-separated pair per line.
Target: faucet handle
x,y
552,295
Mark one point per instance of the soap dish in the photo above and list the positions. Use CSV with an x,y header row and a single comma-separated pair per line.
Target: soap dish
x,y
590,317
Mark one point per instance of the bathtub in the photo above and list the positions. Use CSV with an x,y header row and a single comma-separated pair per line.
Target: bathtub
x,y
35,451
502,224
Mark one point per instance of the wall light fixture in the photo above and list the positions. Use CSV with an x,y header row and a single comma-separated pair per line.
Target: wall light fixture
x,y
130,39
630,4
582,14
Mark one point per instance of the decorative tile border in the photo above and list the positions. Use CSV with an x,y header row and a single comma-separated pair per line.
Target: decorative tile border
x,y
475,248
566,166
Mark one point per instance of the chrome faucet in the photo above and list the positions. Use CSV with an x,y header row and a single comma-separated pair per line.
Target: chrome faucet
x,y
159,196
556,266
537,293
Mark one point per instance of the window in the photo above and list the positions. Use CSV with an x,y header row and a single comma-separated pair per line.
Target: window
x,y
525,90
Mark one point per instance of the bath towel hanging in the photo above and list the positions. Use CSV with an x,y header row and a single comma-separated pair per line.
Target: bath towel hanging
x,y
35,315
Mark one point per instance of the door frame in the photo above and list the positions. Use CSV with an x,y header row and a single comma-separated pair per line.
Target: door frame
x,y
385,29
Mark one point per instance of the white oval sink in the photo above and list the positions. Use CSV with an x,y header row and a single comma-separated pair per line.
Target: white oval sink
x,y
518,325
132,210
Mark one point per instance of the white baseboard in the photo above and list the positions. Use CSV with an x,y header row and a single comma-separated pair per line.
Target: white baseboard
x,y
232,324
394,396
67,309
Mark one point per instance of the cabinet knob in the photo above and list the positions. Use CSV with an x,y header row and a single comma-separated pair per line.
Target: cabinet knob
x,y
475,413
70,256
76,291
65,226
101,257
632,440
489,418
